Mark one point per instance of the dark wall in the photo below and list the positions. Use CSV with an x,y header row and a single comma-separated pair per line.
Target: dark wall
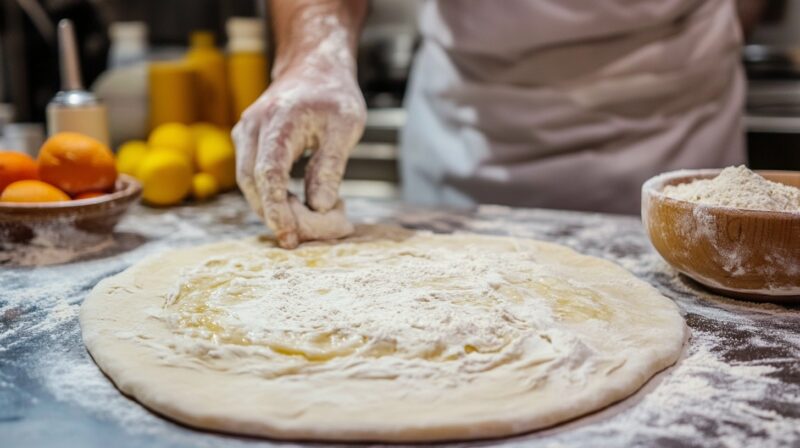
x,y
30,58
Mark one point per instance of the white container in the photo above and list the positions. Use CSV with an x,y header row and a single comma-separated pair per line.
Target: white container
x,y
125,94
128,44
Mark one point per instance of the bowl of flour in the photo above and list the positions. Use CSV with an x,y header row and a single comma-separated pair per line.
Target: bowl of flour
x,y
734,230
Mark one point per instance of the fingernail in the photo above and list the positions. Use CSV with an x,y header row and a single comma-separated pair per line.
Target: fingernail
x,y
323,199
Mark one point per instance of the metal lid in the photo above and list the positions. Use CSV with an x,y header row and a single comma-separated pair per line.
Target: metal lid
x,y
74,98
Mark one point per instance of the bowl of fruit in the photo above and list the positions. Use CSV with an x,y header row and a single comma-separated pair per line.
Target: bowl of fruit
x,y
72,185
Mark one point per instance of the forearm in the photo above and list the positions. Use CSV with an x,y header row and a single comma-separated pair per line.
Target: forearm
x,y
320,32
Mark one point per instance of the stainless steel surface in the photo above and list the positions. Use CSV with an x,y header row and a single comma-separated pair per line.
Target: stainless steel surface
x,y
783,125
773,98
384,125
738,383
384,190
772,122
766,62
377,154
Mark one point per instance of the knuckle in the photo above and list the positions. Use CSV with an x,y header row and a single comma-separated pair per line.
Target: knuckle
x,y
249,114
238,130
243,174
263,108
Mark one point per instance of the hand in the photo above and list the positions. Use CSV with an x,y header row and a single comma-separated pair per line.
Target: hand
x,y
313,104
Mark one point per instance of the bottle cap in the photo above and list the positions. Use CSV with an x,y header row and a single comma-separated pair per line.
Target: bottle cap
x,y
201,39
246,34
128,31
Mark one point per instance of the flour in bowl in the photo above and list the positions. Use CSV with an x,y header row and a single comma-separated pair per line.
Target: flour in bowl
x,y
740,188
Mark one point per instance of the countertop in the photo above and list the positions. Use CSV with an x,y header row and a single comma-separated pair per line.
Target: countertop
x,y
737,383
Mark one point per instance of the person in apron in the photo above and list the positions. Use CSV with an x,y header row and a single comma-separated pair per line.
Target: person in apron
x,y
562,104
569,104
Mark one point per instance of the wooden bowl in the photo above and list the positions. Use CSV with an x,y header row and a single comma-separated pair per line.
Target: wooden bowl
x,y
21,222
747,254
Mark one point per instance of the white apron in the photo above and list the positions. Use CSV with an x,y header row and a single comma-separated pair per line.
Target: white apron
x,y
569,104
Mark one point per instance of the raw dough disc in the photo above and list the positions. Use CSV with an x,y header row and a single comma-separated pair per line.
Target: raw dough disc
x,y
389,335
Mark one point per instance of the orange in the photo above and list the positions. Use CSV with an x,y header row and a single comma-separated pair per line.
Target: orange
x,y
77,163
89,194
32,191
16,166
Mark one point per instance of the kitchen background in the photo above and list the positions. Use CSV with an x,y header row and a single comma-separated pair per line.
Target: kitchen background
x,y
116,37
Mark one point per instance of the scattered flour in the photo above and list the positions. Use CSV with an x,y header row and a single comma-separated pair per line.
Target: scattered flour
x,y
740,368
62,312
52,244
740,188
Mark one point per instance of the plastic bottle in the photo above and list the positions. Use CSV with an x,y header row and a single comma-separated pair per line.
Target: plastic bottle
x,y
123,86
209,66
124,90
173,95
247,62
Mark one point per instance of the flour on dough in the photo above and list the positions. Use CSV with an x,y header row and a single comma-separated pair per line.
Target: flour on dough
x,y
389,335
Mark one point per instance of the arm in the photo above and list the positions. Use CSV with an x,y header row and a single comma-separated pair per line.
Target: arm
x,y
313,103
302,26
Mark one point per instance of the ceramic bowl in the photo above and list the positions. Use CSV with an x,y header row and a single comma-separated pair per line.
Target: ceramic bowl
x,y
747,254
21,222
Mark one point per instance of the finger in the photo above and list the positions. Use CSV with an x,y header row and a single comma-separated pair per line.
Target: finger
x,y
324,172
245,138
280,142
286,232
313,225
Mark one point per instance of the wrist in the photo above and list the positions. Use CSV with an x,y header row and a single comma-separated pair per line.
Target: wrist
x,y
303,61
318,34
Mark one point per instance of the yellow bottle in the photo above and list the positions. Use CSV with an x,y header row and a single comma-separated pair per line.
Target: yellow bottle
x,y
172,93
247,62
209,66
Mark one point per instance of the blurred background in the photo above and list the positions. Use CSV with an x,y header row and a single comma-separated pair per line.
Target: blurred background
x,y
119,41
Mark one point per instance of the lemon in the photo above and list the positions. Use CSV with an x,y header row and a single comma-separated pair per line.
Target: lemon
x,y
204,186
129,155
202,128
166,177
174,136
217,157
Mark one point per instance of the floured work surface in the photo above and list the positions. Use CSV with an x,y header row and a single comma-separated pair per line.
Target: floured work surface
x,y
390,335
735,385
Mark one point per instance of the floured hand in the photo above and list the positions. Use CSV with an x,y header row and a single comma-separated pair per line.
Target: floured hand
x,y
313,104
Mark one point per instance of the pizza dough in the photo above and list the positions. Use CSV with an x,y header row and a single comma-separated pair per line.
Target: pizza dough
x,y
389,335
